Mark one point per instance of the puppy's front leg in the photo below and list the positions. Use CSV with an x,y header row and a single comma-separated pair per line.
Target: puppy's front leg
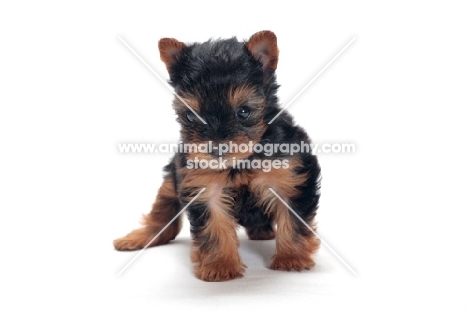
x,y
295,242
165,208
297,186
215,242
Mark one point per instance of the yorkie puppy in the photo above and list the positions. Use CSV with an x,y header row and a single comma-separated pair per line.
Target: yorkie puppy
x,y
225,98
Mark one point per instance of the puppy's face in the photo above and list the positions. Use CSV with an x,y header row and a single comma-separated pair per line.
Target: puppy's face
x,y
223,83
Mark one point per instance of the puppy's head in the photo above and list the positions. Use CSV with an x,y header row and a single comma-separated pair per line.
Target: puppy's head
x,y
227,84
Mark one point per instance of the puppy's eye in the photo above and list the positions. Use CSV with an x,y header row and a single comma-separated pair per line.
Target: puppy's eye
x,y
243,112
191,117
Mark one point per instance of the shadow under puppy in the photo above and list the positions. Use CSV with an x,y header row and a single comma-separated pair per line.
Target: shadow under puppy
x,y
232,86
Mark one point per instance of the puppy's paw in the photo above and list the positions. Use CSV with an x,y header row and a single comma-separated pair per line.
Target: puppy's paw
x,y
137,239
292,262
219,271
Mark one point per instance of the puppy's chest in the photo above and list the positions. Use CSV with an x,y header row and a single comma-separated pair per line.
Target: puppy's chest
x,y
226,179
232,182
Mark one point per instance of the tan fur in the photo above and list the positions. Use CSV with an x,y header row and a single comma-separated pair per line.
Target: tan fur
x,y
159,217
224,263
192,101
201,178
169,49
293,252
263,46
261,234
283,181
238,96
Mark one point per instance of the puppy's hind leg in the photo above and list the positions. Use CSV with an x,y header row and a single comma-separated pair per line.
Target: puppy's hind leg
x,y
164,209
266,232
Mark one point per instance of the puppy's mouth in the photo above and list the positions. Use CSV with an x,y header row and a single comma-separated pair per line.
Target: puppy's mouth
x,y
219,153
208,150
216,155
226,154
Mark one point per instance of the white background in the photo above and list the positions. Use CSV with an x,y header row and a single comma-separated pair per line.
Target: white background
x,y
395,210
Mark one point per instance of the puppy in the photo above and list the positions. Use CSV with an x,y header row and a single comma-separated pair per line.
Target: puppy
x,y
226,95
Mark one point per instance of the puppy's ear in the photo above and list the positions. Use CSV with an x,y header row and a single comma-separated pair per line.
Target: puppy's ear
x,y
263,47
169,50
